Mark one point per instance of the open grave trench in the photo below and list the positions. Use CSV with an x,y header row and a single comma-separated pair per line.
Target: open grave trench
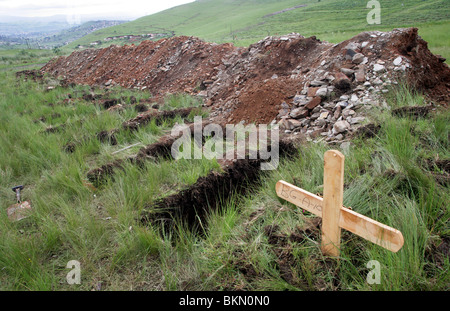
x,y
103,101
240,172
132,125
193,204
148,111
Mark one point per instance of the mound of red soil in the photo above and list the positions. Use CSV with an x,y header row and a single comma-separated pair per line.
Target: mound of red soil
x,y
166,66
251,84
429,73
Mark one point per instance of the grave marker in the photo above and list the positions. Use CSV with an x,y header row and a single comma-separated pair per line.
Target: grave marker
x,y
334,215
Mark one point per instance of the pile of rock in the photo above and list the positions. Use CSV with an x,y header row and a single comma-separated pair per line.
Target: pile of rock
x,y
333,104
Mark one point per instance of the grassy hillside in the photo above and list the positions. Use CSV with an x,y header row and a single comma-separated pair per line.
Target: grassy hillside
x,y
74,33
24,59
245,22
256,241
253,242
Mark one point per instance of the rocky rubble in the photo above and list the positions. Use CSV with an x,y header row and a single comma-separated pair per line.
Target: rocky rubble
x,y
319,111
309,87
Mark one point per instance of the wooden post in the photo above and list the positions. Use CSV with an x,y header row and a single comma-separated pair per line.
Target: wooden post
x,y
335,215
333,198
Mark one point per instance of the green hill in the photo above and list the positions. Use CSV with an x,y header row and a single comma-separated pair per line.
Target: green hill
x,y
246,21
68,35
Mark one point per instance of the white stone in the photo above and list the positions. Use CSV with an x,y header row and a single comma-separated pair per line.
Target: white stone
x,y
401,68
318,83
357,120
358,58
341,126
378,68
377,81
339,137
324,115
398,61
322,92
343,104
352,46
294,124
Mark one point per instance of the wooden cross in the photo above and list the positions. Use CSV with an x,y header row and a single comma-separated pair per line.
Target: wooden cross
x,y
334,215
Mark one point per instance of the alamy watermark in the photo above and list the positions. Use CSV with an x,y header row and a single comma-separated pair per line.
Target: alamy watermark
x,y
72,18
374,16
74,276
374,275
230,142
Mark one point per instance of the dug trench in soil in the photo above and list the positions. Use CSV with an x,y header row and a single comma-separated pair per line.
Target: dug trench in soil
x,y
103,136
34,75
439,251
159,116
58,128
54,129
443,164
282,246
414,112
109,103
439,169
105,99
161,149
134,124
367,131
191,206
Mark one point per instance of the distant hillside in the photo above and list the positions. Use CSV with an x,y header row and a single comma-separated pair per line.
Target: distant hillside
x,y
50,35
31,26
69,35
246,21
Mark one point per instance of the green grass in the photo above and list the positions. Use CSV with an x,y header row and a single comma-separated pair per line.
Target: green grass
x,y
24,59
69,219
385,178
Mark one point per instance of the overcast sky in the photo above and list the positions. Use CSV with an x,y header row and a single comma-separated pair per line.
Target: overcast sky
x,y
73,9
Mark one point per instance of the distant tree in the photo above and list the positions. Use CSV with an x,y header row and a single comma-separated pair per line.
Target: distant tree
x,y
57,50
